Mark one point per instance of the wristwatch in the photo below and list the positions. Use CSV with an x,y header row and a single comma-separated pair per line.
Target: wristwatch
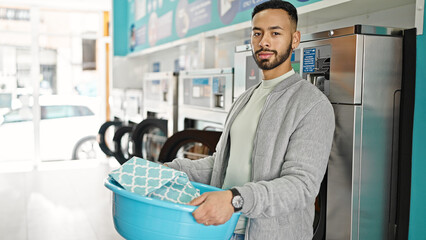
x,y
237,200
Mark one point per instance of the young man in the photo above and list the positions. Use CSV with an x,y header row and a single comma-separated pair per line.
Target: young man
x,y
275,145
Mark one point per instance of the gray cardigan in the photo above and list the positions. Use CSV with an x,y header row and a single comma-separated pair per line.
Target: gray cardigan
x,y
290,153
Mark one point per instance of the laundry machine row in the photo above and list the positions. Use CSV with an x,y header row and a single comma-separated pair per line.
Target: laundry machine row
x,y
143,132
126,106
206,96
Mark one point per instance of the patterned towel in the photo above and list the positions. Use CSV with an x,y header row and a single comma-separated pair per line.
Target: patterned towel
x,y
155,180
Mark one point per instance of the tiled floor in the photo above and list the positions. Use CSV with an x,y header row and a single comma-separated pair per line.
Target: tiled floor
x,y
61,200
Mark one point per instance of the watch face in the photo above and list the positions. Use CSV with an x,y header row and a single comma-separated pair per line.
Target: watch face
x,y
237,202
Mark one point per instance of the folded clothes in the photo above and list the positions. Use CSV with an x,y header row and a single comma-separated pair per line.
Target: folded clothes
x,y
155,180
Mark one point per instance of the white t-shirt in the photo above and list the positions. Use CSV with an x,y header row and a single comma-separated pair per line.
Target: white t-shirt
x,y
242,134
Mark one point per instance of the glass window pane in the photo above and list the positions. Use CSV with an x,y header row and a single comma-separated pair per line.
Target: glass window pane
x,y
69,22
17,133
82,111
15,19
69,79
18,115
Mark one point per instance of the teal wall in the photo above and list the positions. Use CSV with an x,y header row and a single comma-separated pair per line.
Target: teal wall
x,y
418,181
120,33
152,26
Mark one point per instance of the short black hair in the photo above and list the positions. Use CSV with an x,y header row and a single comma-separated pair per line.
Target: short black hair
x,y
277,4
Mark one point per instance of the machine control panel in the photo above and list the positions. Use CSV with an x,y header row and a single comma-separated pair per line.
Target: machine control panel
x,y
157,89
316,66
197,91
208,92
219,92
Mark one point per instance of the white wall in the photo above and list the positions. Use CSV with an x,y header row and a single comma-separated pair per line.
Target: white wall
x,y
400,17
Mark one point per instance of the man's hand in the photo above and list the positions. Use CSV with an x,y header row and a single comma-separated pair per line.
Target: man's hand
x,y
215,208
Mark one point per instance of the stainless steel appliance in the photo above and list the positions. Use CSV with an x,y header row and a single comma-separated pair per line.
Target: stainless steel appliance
x,y
205,97
247,73
359,68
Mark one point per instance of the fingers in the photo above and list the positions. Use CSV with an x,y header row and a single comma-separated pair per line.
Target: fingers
x,y
200,214
197,201
214,208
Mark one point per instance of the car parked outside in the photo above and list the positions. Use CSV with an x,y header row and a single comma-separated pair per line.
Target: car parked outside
x,y
68,129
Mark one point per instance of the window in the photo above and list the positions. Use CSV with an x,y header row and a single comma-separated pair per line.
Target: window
x,y
82,111
18,115
47,112
64,111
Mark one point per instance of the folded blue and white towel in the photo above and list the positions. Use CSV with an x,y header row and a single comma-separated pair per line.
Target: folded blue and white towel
x,y
155,180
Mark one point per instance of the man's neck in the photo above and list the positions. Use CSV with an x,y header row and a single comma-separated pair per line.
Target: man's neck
x,y
276,72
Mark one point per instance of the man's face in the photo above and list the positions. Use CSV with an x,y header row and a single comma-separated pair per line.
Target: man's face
x,y
271,38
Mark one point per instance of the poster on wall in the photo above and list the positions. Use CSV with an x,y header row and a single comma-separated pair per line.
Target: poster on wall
x,y
156,22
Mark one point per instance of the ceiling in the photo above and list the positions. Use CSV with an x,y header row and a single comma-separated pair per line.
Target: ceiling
x,y
349,9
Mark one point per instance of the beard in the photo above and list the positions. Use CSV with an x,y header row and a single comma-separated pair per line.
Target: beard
x,y
264,64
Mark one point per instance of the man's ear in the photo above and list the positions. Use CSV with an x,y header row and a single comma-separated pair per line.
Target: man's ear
x,y
295,40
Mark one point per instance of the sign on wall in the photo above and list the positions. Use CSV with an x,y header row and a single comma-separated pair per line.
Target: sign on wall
x,y
154,22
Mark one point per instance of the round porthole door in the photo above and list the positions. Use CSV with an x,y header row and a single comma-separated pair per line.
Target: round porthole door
x,y
148,138
122,144
107,145
191,144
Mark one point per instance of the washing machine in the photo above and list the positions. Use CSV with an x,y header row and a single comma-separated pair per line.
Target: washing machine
x,y
107,129
205,97
133,111
160,114
114,136
246,72
105,136
191,144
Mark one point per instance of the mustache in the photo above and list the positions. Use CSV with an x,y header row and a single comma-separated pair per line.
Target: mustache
x,y
265,50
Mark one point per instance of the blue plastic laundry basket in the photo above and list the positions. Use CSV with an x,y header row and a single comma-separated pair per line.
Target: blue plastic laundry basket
x,y
139,217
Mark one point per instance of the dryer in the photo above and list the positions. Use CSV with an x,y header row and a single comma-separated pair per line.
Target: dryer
x,y
160,114
107,129
192,144
126,110
205,97
133,108
247,73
